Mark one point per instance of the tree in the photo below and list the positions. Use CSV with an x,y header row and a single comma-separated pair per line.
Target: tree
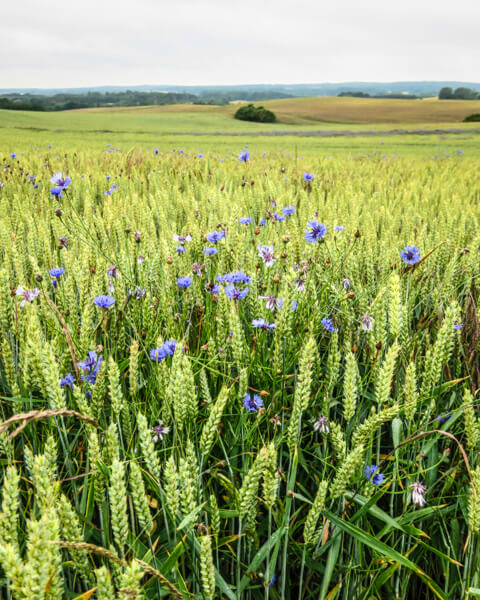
x,y
446,93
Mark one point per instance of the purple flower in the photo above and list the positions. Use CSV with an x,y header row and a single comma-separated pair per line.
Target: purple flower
x,y
321,424
104,301
318,230
13,155
184,282
28,295
181,239
366,322
458,326
139,293
210,251
245,220
266,254
300,284
294,305
288,210
159,431
272,302
62,242
339,228
262,324
372,476
215,236
112,271
418,494
67,381
57,272
180,250
308,177
59,181
244,156
262,222
410,255
328,325
252,404
235,293
278,217
346,283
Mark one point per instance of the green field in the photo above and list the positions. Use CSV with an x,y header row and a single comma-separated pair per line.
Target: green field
x,y
231,373
168,127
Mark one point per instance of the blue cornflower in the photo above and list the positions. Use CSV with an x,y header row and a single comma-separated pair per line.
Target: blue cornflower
x,y
288,210
294,305
104,301
245,220
181,151
272,581
166,349
57,272
62,242
328,325
410,255
215,236
67,381
210,251
262,324
234,293
212,288
308,177
318,230
278,217
13,155
263,222
458,326
184,282
180,249
57,191
252,404
339,227
157,354
59,181
445,417
155,150
91,365
372,476
244,156
169,347
235,277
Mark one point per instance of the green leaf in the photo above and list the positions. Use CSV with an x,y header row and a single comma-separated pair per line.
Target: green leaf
x,y
384,550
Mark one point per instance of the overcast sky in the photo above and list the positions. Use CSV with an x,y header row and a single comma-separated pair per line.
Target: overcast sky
x,y
48,43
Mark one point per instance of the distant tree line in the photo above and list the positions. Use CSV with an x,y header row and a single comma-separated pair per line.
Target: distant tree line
x,y
460,93
64,101
349,94
258,114
91,100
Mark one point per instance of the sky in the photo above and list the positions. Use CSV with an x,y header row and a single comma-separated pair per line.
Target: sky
x,y
47,43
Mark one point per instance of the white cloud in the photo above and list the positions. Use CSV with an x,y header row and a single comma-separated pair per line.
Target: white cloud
x,y
105,42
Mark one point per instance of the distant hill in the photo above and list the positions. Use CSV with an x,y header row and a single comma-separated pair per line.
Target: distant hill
x,y
267,91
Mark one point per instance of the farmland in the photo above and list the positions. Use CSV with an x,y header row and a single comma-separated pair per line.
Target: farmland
x,y
240,366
